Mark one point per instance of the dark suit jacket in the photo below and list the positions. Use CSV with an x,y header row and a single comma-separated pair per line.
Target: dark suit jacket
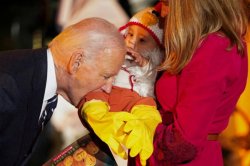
x,y
23,75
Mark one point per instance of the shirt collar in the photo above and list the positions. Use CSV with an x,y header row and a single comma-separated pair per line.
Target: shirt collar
x,y
51,84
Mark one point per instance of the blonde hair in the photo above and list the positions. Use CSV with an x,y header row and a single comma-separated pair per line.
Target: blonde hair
x,y
191,20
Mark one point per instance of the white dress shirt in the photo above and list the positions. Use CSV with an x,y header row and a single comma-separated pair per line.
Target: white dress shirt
x,y
51,84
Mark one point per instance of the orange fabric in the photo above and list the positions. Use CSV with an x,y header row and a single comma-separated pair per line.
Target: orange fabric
x,y
121,99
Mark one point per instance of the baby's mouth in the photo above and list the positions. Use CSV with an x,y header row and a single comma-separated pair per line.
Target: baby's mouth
x,y
128,57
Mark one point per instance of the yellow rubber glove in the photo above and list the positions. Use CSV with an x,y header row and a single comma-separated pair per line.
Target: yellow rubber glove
x,y
108,126
141,131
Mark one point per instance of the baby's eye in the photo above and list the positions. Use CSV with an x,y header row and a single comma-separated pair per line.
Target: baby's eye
x,y
130,34
142,40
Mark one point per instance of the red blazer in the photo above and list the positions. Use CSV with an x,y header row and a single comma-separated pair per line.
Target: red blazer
x,y
201,99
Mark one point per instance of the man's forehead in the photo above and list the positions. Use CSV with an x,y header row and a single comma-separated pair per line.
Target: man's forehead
x,y
107,51
107,54
111,63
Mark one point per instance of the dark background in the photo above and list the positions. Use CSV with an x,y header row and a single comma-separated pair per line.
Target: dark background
x,y
31,23
27,23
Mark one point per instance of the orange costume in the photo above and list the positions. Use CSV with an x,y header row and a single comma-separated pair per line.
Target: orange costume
x,y
121,99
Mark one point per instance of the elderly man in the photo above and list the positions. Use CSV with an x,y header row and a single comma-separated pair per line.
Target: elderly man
x,y
84,57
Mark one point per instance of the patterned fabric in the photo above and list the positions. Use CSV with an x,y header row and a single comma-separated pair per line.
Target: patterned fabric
x,y
48,111
173,149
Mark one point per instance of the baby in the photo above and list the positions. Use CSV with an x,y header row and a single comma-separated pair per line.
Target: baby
x,y
135,81
133,89
143,38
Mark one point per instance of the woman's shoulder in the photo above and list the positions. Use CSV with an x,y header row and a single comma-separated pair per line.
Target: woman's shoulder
x,y
216,45
215,50
215,39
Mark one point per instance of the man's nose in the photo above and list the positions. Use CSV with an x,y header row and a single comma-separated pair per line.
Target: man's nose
x,y
108,86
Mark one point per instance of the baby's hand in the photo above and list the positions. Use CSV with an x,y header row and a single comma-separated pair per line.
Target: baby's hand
x,y
138,58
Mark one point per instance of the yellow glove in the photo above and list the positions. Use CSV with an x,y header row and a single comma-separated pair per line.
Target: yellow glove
x,y
108,126
142,129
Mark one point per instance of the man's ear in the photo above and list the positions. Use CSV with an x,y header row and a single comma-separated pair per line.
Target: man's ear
x,y
75,62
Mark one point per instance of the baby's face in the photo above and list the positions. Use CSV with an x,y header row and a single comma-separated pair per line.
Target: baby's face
x,y
139,39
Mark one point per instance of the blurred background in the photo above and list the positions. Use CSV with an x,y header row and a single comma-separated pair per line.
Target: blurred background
x,y
32,23
29,24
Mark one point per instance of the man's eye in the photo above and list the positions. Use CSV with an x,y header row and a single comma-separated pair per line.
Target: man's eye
x,y
106,77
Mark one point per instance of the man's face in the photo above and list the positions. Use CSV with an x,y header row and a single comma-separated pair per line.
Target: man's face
x,y
139,39
96,73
